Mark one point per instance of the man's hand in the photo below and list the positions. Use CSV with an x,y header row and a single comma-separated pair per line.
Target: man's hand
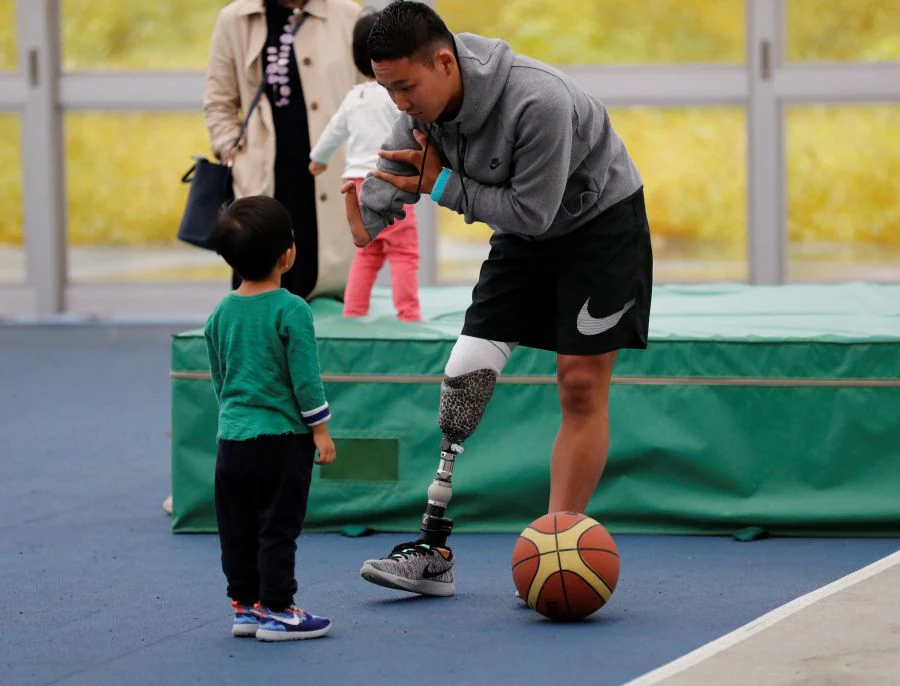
x,y
361,237
414,158
316,168
324,444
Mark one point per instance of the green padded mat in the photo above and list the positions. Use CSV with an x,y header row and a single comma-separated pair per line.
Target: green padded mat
x,y
774,407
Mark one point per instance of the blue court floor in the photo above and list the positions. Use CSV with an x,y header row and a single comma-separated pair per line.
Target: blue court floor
x,y
98,591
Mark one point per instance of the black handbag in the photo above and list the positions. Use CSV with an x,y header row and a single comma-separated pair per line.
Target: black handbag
x,y
211,188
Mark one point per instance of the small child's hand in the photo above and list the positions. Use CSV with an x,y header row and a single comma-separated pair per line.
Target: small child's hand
x,y
351,205
324,444
316,168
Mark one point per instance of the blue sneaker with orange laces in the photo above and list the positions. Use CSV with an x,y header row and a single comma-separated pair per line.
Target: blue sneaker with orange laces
x,y
246,619
290,625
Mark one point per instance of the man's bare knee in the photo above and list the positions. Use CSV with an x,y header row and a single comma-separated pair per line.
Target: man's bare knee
x,y
584,384
581,393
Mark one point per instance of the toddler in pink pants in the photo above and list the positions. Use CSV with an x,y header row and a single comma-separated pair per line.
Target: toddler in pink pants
x,y
363,121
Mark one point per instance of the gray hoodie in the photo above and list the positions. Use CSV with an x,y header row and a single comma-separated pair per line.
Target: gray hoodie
x,y
532,154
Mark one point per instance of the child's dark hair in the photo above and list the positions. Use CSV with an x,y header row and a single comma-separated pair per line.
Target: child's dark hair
x,y
361,31
251,234
407,30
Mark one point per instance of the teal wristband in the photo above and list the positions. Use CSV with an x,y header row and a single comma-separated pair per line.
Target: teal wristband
x,y
439,183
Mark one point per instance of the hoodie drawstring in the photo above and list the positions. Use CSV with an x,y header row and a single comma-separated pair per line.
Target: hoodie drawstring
x,y
461,158
424,157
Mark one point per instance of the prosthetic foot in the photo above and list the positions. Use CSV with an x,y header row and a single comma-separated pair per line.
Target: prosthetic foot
x,y
424,566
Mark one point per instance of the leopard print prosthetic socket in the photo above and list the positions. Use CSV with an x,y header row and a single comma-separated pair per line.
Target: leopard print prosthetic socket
x,y
463,401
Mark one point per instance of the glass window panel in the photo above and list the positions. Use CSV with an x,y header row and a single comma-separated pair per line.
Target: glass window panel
x,y
8,34
840,30
461,247
694,165
843,162
125,197
12,254
163,34
608,31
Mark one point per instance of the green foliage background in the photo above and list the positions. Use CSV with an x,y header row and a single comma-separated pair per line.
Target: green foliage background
x,y
843,161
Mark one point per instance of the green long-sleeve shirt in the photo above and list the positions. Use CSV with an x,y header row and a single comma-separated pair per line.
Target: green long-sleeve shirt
x,y
265,366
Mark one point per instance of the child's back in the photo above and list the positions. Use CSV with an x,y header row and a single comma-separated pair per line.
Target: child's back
x,y
264,349
364,120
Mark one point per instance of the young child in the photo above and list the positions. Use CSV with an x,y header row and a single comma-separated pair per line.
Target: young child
x,y
272,419
364,120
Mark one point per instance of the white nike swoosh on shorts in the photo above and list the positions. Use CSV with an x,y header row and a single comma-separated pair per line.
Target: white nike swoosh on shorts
x,y
591,326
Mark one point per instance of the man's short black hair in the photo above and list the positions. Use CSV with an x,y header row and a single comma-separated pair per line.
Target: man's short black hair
x,y
407,30
251,234
360,38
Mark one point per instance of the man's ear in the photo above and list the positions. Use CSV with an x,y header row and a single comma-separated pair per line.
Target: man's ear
x,y
445,60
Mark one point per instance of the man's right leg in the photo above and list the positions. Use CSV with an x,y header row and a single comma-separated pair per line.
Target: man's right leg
x,y
426,565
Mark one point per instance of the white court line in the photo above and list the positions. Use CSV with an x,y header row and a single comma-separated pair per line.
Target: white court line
x,y
759,624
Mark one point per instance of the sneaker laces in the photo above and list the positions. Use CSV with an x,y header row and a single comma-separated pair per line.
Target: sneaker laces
x,y
404,550
261,610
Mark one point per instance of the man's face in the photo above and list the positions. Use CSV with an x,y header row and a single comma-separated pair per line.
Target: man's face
x,y
422,91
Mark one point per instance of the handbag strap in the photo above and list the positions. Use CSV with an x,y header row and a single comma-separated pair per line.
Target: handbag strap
x,y
298,22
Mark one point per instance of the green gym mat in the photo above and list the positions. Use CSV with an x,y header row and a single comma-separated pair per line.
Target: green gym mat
x,y
768,407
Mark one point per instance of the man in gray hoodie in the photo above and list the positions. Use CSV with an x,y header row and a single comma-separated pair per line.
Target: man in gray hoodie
x,y
509,141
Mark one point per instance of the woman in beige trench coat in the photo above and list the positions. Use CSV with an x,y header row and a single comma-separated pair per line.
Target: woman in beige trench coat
x,y
306,83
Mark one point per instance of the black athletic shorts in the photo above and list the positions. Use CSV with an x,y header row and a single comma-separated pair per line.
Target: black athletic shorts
x,y
584,293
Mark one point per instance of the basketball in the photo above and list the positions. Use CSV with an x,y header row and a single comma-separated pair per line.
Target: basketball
x,y
565,565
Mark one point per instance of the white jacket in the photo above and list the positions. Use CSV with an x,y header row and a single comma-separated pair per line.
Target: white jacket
x,y
363,121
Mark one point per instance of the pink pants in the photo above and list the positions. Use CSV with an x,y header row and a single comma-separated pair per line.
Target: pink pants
x,y
399,245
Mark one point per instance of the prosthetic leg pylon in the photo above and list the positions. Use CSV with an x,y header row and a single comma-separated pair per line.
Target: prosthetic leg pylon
x,y
436,527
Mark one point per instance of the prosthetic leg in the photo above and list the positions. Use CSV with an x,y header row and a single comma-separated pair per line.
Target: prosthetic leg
x,y
425,566
470,377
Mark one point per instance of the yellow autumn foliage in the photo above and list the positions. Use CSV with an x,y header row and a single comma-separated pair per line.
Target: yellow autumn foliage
x,y
843,161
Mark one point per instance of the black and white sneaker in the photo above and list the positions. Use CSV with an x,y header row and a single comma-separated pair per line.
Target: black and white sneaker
x,y
415,567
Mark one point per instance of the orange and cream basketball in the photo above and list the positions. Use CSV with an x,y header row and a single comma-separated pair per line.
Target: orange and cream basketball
x,y
565,565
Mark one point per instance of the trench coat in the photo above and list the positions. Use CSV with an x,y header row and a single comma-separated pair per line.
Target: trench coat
x,y
324,57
